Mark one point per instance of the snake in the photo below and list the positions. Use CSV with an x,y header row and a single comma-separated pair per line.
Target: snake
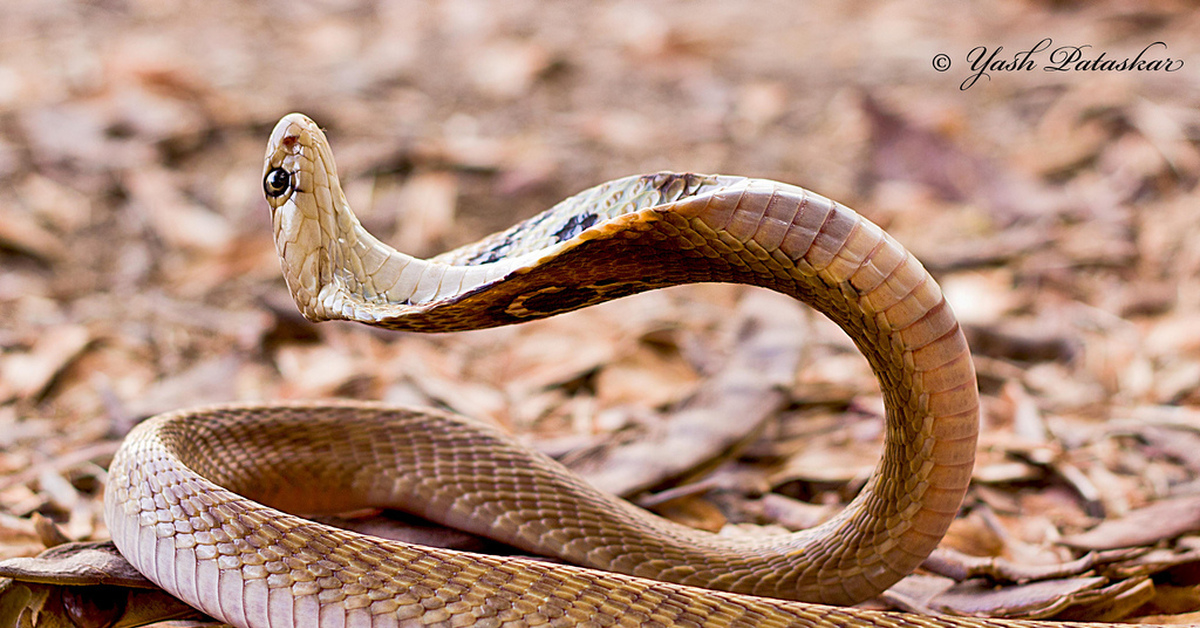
x,y
199,500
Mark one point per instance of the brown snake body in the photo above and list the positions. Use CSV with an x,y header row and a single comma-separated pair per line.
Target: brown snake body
x,y
179,497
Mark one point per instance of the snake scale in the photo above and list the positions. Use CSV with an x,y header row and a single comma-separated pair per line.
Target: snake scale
x,y
184,493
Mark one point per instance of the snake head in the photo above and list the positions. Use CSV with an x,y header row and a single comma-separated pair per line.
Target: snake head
x,y
308,209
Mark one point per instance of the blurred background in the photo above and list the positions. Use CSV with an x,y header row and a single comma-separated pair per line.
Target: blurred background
x,y
1058,209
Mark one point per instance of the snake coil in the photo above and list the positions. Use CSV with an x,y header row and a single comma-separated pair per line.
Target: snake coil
x,y
186,491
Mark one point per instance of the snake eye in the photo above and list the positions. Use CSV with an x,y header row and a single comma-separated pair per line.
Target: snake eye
x,y
277,182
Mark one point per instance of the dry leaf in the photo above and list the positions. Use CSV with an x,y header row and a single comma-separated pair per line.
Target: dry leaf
x,y
1162,520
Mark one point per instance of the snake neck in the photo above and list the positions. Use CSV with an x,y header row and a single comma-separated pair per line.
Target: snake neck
x,y
332,264
337,270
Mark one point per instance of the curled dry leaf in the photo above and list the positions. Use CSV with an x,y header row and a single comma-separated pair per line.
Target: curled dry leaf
x,y
82,584
28,374
1160,521
1034,601
21,233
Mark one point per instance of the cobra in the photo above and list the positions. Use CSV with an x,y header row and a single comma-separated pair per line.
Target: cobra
x,y
196,500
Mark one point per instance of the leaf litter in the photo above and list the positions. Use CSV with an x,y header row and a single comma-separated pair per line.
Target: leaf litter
x,y
1057,210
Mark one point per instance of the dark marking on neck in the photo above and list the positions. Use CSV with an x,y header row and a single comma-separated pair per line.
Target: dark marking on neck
x,y
574,226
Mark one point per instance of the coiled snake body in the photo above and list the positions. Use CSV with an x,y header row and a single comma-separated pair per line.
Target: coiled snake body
x,y
179,496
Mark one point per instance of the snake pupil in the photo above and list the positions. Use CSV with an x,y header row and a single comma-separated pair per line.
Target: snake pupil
x,y
277,182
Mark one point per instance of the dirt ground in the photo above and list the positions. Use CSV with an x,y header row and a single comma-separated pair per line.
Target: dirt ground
x,y
1057,207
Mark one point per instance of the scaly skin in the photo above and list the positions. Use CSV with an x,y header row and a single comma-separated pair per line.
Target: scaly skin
x,y
178,500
